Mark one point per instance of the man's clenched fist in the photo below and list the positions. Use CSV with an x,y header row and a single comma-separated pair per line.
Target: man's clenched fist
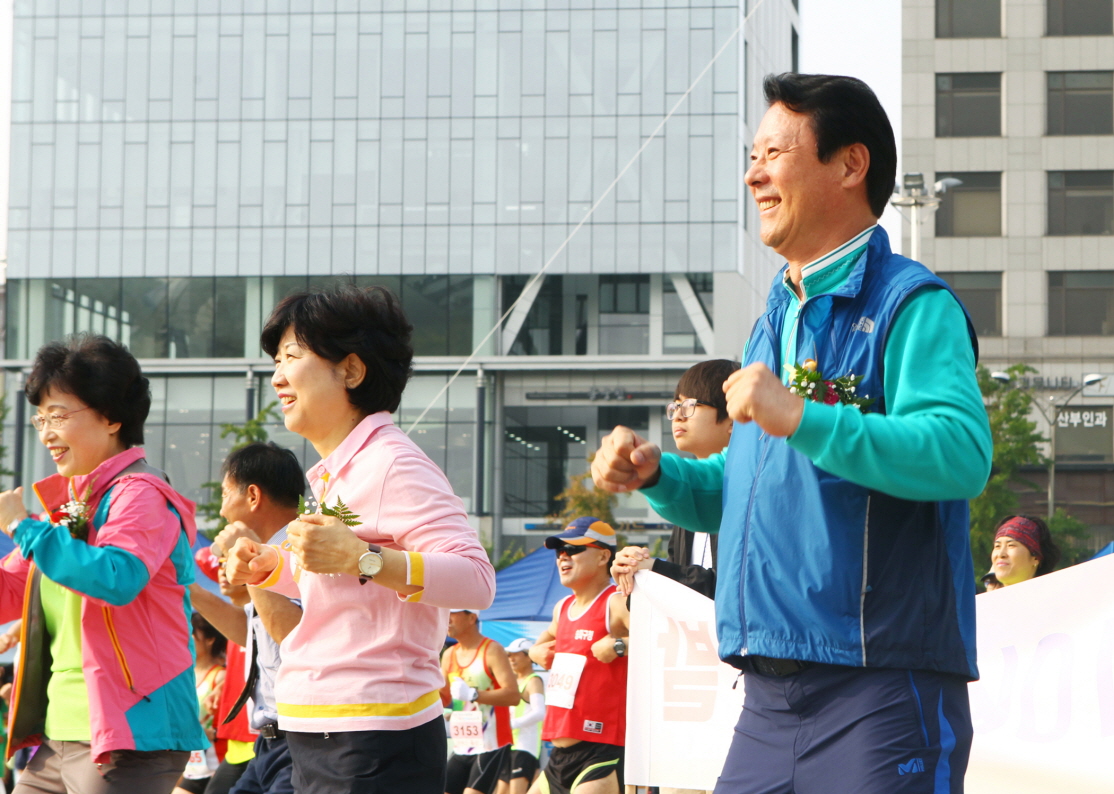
x,y
624,461
754,394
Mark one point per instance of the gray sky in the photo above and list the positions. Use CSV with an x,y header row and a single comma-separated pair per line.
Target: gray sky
x,y
859,38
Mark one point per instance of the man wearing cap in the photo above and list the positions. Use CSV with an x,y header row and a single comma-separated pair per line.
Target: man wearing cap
x,y
585,651
526,720
481,689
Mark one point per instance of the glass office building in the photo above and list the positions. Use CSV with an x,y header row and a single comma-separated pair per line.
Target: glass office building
x,y
178,166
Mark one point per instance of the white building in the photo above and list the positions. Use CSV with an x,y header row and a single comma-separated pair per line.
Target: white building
x,y
176,168
1015,98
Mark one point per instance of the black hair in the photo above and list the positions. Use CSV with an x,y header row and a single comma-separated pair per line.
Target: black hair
x,y
704,382
346,319
273,469
1050,552
99,372
205,629
843,111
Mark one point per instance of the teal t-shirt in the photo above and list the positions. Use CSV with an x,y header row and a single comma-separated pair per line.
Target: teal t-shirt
x,y
67,697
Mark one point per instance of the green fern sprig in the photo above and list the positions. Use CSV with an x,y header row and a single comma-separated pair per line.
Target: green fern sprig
x,y
341,511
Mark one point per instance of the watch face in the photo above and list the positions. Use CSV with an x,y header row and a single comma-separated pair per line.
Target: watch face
x,y
371,563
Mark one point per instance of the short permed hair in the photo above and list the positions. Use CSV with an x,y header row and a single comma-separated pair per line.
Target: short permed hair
x,y
704,382
843,111
271,468
345,319
99,372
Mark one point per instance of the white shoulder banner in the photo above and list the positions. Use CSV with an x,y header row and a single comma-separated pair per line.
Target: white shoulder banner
x,y
1044,708
681,708
1043,711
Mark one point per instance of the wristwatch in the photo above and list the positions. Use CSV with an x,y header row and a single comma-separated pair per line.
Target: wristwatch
x,y
370,563
620,647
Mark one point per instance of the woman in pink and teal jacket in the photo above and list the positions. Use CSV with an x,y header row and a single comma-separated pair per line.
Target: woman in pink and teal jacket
x,y
105,684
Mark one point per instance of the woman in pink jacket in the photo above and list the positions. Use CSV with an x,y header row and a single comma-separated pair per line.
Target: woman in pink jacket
x,y
358,690
105,684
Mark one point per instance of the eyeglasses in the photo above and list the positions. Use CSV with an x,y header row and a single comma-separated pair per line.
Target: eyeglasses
x,y
685,408
572,550
54,421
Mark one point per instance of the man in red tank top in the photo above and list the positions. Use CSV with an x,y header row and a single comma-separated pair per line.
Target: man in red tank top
x,y
586,698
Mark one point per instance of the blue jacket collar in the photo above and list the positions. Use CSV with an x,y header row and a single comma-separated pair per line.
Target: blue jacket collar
x,y
877,248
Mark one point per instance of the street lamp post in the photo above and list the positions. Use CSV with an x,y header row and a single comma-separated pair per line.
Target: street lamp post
x,y
1052,420
914,195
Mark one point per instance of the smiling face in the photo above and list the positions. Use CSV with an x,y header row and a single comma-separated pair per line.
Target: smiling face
x,y
85,439
313,394
702,434
803,204
1012,562
583,568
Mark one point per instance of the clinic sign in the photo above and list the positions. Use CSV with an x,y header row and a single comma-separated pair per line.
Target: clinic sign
x,y
1085,434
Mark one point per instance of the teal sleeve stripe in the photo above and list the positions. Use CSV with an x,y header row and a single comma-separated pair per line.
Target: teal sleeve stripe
x,y
934,443
105,573
689,492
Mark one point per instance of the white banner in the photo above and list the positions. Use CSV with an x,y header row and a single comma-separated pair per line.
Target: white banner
x,y
1043,711
681,708
1044,707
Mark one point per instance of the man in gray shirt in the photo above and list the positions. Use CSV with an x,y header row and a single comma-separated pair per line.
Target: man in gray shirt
x,y
259,497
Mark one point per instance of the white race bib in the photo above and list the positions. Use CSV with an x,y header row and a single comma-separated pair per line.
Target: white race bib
x,y
564,678
466,728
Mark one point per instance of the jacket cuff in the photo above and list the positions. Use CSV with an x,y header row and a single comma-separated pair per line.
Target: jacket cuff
x,y
668,487
813,434
28,530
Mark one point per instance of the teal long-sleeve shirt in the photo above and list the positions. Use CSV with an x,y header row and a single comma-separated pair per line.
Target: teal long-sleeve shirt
x,y
933,444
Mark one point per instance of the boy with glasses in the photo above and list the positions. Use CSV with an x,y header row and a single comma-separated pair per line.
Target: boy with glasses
x,y
702,428
586,698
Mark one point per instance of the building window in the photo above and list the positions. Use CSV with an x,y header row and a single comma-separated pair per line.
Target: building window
x,y
540,334
1079,17
1080,103
1080,202
1081,303
968,104
972,209
678,335
981,294
965,19
624,315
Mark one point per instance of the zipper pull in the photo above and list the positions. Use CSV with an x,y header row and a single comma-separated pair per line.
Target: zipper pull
x,y
740,675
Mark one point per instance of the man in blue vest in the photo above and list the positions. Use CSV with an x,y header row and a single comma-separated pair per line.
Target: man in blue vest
x,y
845,590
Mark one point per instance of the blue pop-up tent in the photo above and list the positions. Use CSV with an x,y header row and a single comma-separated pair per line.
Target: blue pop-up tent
x,y
525,594
1107,549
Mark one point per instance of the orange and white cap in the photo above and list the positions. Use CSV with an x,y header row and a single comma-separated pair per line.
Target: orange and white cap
x,y
582,532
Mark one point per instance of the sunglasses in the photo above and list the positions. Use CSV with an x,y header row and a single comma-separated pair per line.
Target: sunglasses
x,y
572,550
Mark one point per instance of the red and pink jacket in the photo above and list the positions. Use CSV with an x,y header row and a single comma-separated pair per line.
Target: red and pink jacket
x,y
133,574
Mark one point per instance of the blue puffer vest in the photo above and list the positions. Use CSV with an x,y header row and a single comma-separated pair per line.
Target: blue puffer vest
x,y
814,567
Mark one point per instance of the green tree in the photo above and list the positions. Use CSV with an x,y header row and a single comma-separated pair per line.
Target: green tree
x,y
583,498
1015,446
250,432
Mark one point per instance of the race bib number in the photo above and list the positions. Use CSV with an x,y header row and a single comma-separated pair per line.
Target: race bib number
x,y
466,729
564,678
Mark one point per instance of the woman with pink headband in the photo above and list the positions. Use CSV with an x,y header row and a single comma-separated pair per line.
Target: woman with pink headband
x,y
1023,548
